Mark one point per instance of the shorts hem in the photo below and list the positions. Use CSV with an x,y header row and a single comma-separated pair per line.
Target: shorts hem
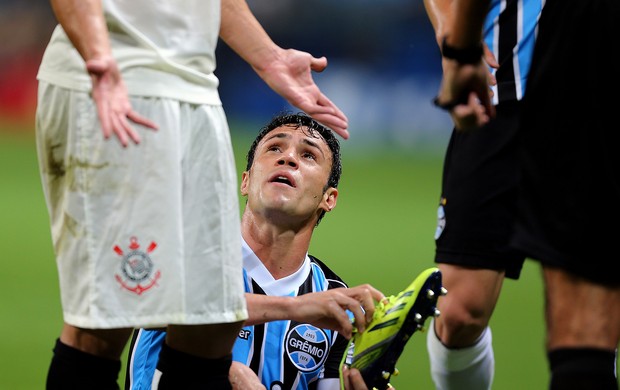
x,y
155,321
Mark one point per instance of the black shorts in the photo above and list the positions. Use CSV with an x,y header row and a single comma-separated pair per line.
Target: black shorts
x,y
569,204
479,191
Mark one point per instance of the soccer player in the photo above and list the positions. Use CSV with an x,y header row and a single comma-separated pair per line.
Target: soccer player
x,y
478,202
290,182
569,175
134,226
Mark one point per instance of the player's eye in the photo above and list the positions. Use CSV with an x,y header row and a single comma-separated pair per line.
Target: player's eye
x,y
273,148
309,155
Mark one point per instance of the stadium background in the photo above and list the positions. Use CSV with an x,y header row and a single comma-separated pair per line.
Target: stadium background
x,y
383,71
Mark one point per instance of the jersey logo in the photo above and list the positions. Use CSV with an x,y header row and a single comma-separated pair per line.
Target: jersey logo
x,y
244,334
136,267
307,347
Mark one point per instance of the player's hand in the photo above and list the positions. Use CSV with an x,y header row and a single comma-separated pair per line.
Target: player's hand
x,y
464,92
290,75
113,106
353,380
491,61
242,377
327,309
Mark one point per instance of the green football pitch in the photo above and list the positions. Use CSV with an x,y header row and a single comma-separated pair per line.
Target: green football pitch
x,y
381,233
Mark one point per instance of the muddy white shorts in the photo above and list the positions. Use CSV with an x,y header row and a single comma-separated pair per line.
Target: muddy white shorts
x,y
146,235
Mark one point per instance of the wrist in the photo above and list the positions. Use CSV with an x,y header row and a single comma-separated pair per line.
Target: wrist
x,y
468,55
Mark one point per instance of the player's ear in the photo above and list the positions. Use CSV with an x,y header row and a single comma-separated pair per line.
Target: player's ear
x,y
245,178
330,198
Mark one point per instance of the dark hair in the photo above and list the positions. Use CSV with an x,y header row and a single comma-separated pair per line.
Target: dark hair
x,y
311,128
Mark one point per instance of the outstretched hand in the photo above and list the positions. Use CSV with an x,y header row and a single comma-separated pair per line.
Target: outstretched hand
x,y
327,309
112,100
290,75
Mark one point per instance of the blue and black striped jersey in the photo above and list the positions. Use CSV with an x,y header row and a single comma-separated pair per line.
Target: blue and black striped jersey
x,y
510,31
284,354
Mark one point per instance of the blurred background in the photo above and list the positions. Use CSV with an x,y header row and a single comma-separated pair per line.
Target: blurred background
x,y
384,69
383,65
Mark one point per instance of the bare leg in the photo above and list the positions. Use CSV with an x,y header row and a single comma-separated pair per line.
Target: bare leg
x,y
87,358
196,356
583,331
460,347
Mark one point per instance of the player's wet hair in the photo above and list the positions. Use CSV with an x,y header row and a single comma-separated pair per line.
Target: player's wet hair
x,y
311,128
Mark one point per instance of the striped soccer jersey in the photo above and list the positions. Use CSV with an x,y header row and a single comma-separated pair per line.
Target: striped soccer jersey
x,y
512,44
284,354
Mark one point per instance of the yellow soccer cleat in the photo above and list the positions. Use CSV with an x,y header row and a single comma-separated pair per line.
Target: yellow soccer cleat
x,y
395,319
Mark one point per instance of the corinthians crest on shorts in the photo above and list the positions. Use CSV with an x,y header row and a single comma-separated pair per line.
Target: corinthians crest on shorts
x,y
136,267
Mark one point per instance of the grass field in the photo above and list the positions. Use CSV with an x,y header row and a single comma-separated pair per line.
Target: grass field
x,y
381,232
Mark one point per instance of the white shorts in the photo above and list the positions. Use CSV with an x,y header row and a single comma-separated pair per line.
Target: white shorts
x,y
146,235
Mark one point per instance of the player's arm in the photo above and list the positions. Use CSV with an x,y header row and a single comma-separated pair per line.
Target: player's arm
x,y
287,71
438,12
326,309
464,89
85,26
84,23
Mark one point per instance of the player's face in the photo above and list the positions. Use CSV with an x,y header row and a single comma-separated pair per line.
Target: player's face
x,y
288,176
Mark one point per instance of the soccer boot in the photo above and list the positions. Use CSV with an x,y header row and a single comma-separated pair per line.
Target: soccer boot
x,y
395,319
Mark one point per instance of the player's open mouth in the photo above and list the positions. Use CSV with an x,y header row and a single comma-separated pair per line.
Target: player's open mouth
x,y
283,178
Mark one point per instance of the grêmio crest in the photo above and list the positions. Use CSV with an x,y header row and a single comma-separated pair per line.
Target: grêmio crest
x,y
137,267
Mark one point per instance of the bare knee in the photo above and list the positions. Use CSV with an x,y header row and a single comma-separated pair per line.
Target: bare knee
x,y
458,327
469,304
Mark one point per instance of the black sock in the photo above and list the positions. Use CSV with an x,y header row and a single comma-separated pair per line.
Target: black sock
x,y
582,369
73,369
180,370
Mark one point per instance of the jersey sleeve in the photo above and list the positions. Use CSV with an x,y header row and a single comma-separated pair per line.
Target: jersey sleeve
x,y
143,356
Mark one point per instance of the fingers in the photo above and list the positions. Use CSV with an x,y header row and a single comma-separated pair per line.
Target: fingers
x,y
337,125
353,379
471,115
363,308
104,118
318,64
327,113
112,100
119,129
359,313
124,130
489,57
367,295
140,120
484,98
